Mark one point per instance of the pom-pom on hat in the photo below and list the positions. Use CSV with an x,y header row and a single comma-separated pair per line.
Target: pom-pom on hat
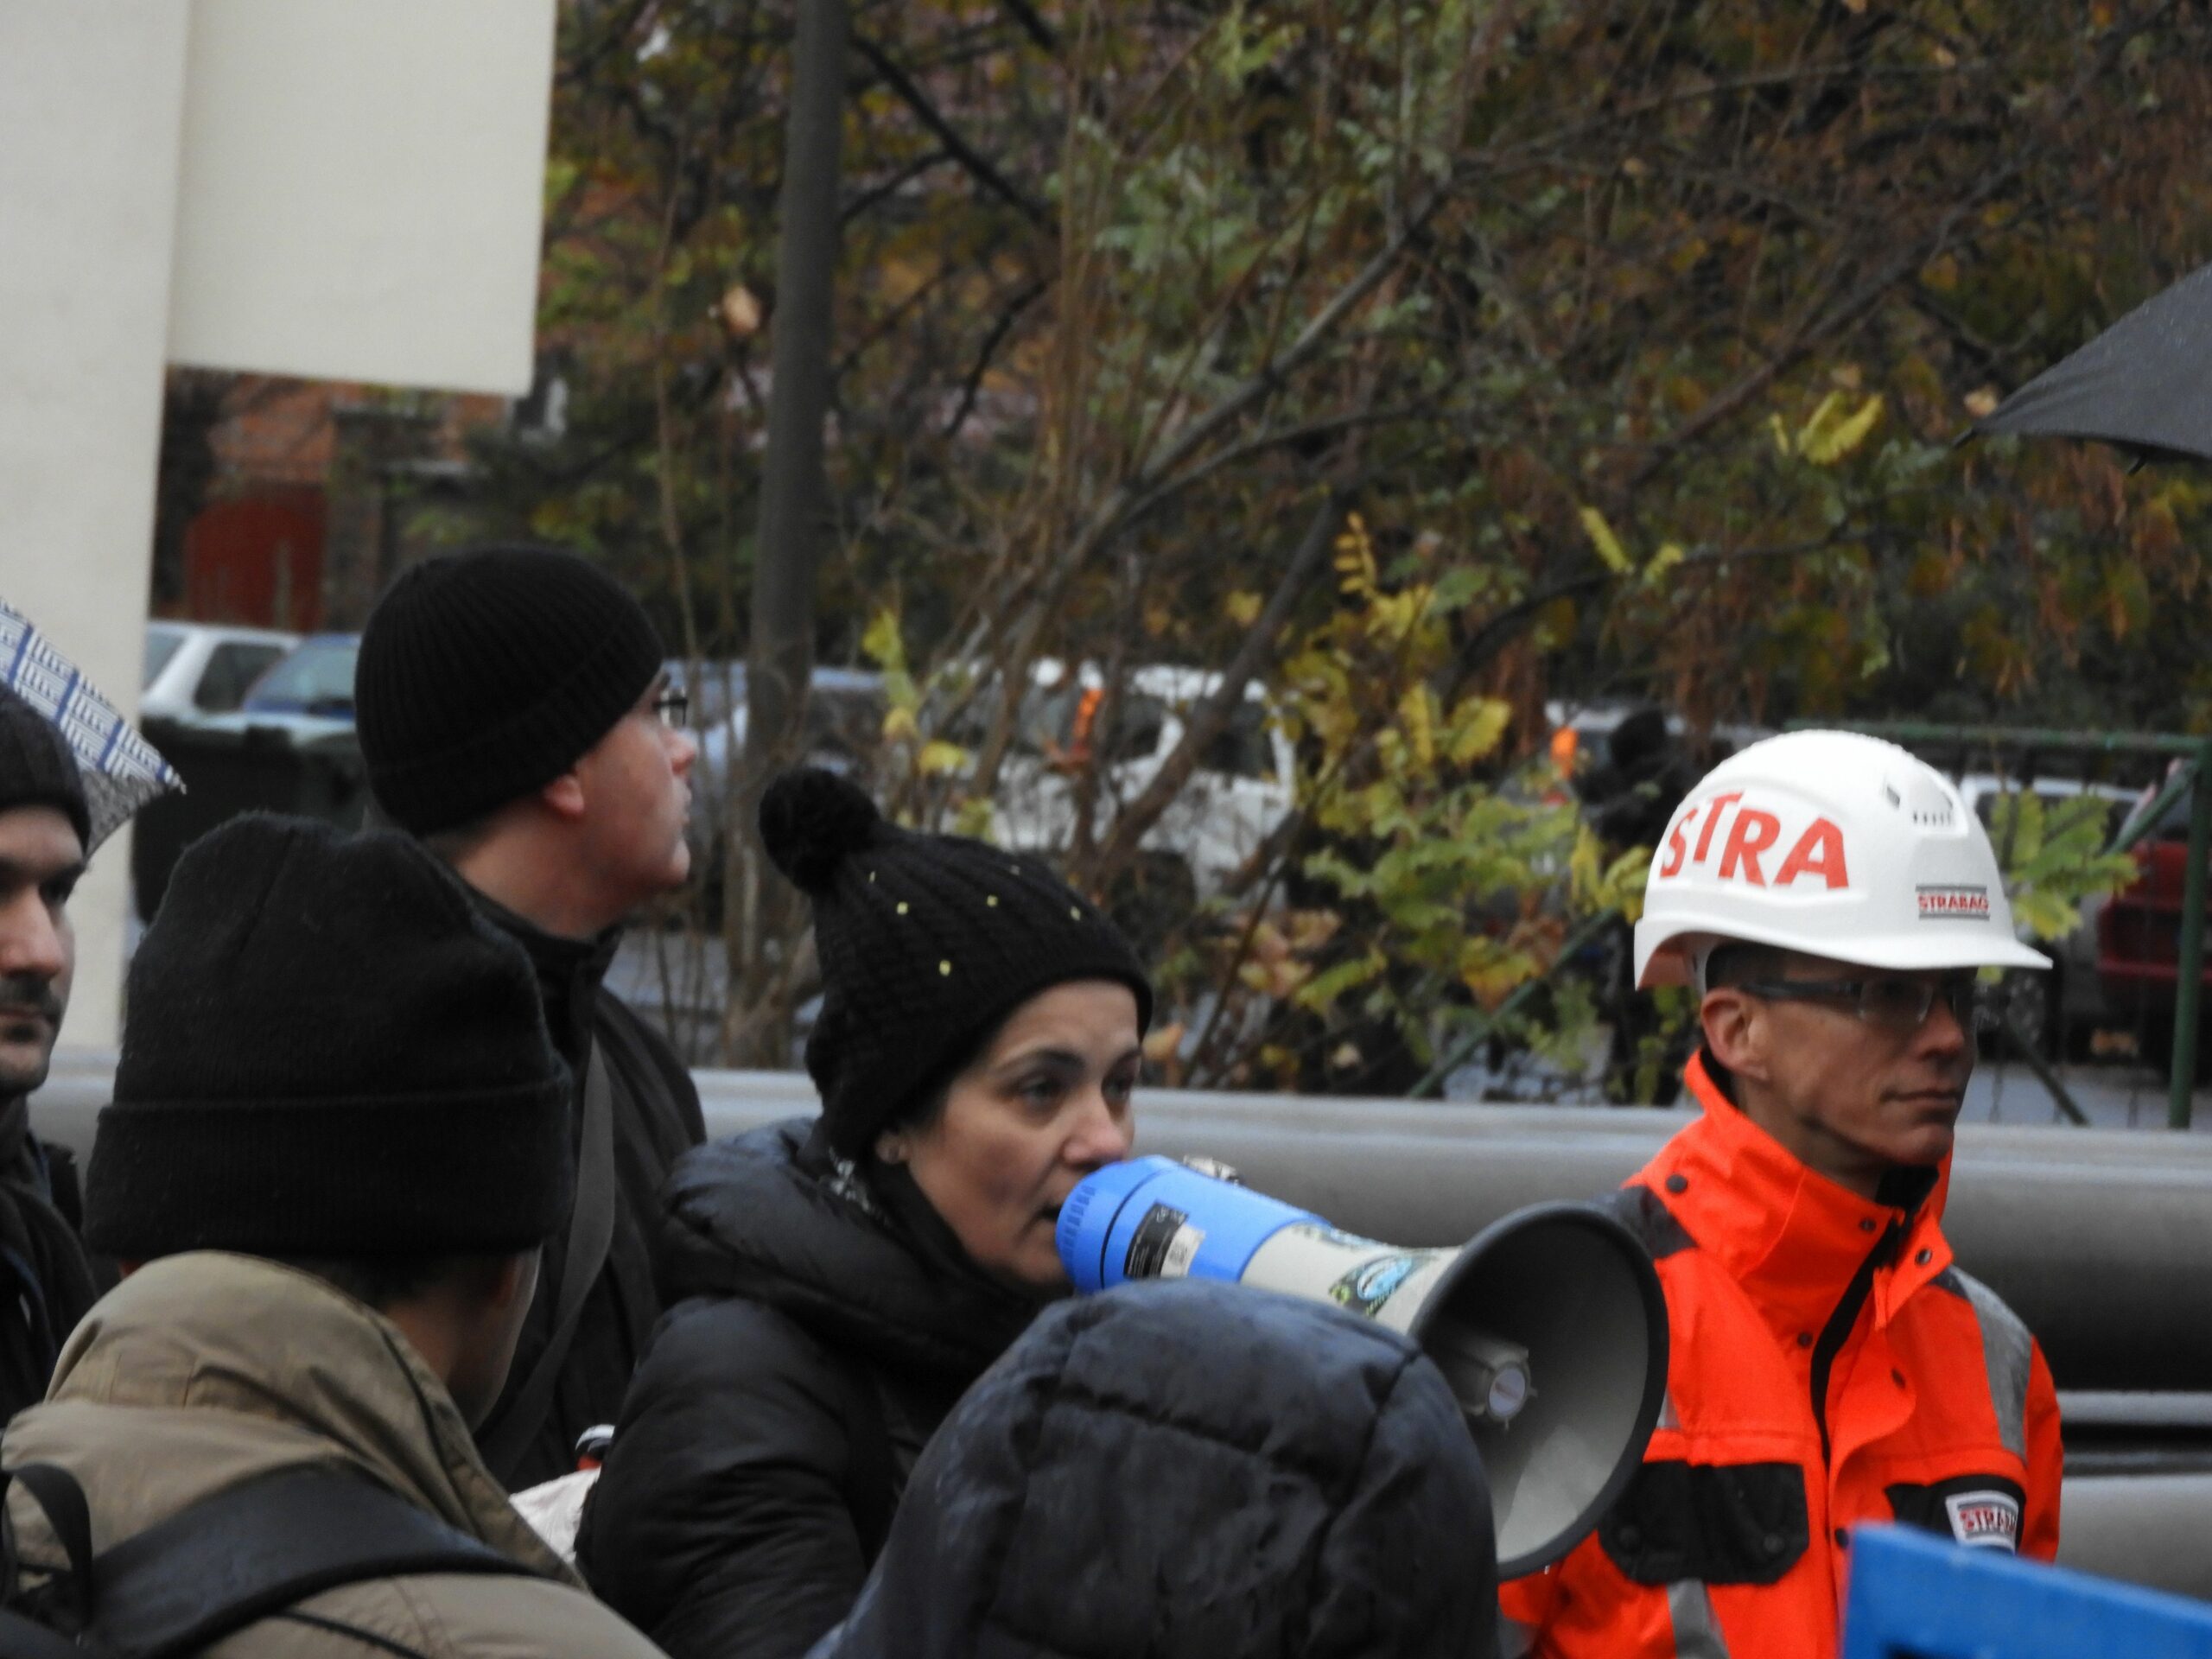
x,y
927,945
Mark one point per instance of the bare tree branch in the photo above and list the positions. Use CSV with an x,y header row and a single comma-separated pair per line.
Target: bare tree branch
x,y
1210,715
973,384
1113,514
1033,24
977,165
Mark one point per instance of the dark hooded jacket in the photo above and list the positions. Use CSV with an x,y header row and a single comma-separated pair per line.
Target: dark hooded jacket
x,y
46,1281
656,1120
822,1325
1181,1470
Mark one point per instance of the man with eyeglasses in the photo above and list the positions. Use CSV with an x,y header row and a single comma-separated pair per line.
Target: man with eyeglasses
x,y
1830,901
515,717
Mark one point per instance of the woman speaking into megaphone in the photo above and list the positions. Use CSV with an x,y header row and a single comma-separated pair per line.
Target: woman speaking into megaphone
x,y
837,1284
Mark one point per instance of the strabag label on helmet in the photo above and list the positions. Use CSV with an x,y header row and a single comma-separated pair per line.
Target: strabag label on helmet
x,y
1953,902
1732,840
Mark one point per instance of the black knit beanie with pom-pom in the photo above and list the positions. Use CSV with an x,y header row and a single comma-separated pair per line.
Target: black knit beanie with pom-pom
x,y
927,945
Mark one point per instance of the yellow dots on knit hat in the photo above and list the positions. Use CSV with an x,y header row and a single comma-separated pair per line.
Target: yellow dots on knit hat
x,y
1076,911
945,968
902,906
871,875
992,899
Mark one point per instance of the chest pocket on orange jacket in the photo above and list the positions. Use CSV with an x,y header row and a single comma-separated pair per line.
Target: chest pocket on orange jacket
x,y
1719,1523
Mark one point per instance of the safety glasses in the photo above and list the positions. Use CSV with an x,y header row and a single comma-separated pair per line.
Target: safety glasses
x,y
1889,1003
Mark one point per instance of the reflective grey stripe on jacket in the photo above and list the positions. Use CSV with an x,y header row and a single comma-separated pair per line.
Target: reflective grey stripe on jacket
x,y
2007,1355
1697,1632
1514,1639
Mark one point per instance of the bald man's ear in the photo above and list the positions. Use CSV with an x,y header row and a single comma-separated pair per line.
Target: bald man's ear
x,y
564,795
1736,1029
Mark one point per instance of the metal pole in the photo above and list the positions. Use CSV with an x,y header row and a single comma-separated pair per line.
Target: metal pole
x,y
2189,987
794,527
1910,732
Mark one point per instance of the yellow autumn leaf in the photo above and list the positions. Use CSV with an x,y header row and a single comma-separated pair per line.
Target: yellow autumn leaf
x,y
1816,424
939,758
899,725
1670,555
1602,538
1836,440
1241,608
881,642
1161,1042
1477,726
1417,719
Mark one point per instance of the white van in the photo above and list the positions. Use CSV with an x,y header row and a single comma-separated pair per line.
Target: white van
x,y
1241,790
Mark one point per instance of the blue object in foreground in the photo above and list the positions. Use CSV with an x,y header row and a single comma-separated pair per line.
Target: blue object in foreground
x,y
1917,1597
1153,1217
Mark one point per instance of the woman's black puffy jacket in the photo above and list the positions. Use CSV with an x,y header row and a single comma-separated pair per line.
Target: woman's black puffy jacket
x,y
820,1327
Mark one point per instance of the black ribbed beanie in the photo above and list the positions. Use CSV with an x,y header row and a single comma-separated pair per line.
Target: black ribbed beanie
x,y
484,674
330,1052
927,945
36,768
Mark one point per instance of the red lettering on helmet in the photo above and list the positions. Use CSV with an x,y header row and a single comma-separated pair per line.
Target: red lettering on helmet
x,y
1819,852
1751,834
1677,848
1712,823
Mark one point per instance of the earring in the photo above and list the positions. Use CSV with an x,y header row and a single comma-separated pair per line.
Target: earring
x,y
890,1148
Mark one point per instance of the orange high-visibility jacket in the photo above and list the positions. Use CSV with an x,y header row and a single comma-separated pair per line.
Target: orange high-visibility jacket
x,y
1829,1366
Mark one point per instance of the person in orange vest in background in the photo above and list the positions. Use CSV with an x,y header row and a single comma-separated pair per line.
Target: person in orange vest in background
x,y
1830,897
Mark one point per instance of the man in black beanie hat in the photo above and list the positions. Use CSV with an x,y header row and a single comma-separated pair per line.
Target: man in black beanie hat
x,y
46,1281
339,1137
515,718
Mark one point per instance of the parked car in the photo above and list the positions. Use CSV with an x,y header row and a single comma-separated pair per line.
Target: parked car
x,y
290,746
2138,933
1241,790
844,722
194,669
315,679
2054,1013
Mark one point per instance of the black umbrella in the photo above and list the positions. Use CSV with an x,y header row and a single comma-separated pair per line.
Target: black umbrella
x,y
2144,384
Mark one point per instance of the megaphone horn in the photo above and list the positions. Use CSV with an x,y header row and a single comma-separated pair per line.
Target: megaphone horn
x,y
1549,1325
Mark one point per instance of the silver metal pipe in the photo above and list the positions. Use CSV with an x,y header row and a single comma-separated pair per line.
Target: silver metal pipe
x,y
2101,1240
2148,1529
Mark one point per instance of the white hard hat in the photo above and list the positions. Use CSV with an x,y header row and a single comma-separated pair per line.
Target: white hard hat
x,y
1835,844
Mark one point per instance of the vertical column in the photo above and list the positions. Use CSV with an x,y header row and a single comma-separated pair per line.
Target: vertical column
x,y
92,96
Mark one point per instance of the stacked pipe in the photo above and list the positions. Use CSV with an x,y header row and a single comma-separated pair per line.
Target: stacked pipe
x,y
2101,1240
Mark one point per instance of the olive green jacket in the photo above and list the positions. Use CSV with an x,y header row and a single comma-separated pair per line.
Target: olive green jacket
x,y
203,1371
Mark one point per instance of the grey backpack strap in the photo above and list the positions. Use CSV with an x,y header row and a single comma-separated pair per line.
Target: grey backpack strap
x,y
591,1229
232,1559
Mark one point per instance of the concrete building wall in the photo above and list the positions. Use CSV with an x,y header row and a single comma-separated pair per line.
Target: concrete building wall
x,y
91,109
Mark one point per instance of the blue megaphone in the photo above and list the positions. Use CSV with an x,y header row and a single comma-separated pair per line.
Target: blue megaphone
x,y
1550,1326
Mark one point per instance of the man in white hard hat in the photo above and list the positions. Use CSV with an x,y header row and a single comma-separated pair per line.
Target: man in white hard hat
x,y
1831,898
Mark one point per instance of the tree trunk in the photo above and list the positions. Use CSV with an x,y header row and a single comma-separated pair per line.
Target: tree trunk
x,y
762,917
